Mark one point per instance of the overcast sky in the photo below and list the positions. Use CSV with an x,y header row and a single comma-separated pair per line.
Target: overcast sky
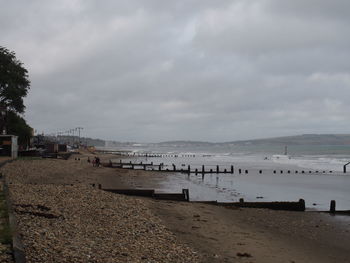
x,y
160,70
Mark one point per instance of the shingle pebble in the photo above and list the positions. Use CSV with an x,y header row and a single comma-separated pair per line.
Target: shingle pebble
x,y
60,223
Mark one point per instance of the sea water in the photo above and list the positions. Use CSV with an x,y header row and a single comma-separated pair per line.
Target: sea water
x,y
315,172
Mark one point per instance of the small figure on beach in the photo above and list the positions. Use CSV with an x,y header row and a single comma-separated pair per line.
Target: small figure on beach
x,y
97,161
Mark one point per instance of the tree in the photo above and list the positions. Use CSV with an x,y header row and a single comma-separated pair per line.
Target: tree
x,y
14,82
16,125
14,86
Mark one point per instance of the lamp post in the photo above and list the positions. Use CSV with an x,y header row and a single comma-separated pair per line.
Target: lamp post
x,y
79,129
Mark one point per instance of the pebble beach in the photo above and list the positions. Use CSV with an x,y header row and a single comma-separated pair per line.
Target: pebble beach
x,y
61,217
64,223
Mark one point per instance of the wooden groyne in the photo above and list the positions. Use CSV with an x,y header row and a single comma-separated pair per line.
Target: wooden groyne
x,y
147,155
183,196
333,211
288,206
202,170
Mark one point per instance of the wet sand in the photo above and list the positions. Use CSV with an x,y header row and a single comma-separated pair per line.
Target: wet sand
x,y
219,234
247,235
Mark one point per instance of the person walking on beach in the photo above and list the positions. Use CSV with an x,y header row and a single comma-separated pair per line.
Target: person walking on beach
x,y
97,161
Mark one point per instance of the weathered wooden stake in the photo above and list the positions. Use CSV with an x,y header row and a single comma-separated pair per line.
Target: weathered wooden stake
x,y
231,169
203,169
302,204
332,207
344,167
217,169
186,194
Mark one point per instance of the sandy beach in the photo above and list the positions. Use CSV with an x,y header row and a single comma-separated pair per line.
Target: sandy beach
x,y
63,223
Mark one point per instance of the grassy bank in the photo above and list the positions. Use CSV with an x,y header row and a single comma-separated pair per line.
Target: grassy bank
x,y
5,230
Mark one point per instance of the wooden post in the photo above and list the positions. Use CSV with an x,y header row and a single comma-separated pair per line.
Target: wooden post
x,y
225,171
196,171
189,169
144,167
302,204
239,171
186,194
217,169
203,169
231,169
174,166
99,186
344,167
160,167
246,171
332,207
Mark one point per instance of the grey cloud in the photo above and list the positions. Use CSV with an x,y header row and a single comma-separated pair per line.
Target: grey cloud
x,y
155,70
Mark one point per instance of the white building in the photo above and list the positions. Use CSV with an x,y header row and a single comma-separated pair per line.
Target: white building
x,y
9,146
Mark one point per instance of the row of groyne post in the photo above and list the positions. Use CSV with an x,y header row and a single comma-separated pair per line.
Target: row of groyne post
x,y
213,169
198,170
185,196
151,155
